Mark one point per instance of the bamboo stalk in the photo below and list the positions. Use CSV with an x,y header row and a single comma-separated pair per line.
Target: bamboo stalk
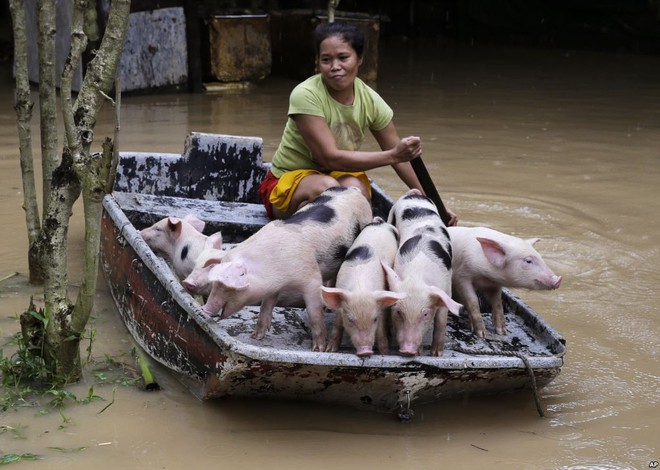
x,y
148,377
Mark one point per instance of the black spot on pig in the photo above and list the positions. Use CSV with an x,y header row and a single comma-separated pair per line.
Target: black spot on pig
x,y
438,250
418,213
321,213
184,252
322,199
358,253
340,252
409,245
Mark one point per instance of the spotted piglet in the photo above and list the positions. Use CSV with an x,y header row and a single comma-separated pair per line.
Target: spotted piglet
x,y
286,258
360,296
487,260
180,241
422,270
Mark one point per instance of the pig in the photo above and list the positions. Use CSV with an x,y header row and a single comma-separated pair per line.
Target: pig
x,y
287,259
487,260
422,270
206,259
180,241
359,295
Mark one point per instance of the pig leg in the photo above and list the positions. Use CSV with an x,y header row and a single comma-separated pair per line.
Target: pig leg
x,y
468,296
315,312
439,331
494,297
337,333
265,318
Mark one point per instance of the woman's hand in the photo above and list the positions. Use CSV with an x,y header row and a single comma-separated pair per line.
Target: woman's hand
x,y
407,149
453,218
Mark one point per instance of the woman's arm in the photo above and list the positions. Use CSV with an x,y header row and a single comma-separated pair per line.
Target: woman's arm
x,y
388,137
322,143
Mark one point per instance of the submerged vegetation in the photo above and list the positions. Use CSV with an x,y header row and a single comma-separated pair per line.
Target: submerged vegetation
x,y
27,382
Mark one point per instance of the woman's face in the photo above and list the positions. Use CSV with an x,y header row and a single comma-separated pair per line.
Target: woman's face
x,y
338,64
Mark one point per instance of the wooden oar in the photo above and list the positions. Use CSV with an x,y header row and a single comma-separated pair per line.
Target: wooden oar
x,y
429,188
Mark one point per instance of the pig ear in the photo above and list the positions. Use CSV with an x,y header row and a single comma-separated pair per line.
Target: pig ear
x,y
387,298
232,275
214,260
393,279
214,241
442,299
174,225
332,297
195,222
532,241
494,252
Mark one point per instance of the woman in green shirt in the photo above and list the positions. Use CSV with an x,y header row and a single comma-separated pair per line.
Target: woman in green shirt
x,y
329,114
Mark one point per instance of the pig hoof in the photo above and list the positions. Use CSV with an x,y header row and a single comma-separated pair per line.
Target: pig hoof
x,y
259,335
318,347
501,330
333,345
408,353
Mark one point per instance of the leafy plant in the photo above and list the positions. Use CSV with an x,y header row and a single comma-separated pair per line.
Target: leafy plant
x,y
24,371
13,458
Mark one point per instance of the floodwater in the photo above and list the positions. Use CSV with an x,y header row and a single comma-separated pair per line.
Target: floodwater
x,y
559,144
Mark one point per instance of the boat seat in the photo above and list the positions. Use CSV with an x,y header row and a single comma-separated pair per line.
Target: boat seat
x,y
235,220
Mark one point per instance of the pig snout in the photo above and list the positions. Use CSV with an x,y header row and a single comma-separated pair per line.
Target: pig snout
x,y
407,349
210,311
556,281
190,286
550,283
364,351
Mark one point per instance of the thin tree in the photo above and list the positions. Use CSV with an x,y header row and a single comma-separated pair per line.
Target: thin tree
x,y
57,332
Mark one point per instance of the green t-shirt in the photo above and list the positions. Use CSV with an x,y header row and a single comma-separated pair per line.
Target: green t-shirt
x,y
347,123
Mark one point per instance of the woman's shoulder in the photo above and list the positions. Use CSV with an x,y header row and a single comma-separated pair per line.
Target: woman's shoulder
x,y
308,97
311,84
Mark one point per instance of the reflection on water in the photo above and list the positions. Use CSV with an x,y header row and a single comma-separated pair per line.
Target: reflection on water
x,y
562,145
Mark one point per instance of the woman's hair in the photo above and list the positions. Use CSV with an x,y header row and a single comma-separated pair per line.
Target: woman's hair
x,y
349,33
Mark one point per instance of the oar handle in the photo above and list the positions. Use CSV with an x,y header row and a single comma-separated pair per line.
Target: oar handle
x,y
429,188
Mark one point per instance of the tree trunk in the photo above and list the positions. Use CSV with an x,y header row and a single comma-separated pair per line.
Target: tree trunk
x,y
47,93
23,107
93,171
64,179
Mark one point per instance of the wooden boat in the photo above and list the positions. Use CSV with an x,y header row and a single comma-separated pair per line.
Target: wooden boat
x,y
216,178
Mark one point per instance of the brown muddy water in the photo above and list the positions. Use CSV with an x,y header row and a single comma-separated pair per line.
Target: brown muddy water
x,y
563,145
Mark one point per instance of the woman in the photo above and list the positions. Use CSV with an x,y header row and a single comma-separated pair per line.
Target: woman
x,y
329,114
